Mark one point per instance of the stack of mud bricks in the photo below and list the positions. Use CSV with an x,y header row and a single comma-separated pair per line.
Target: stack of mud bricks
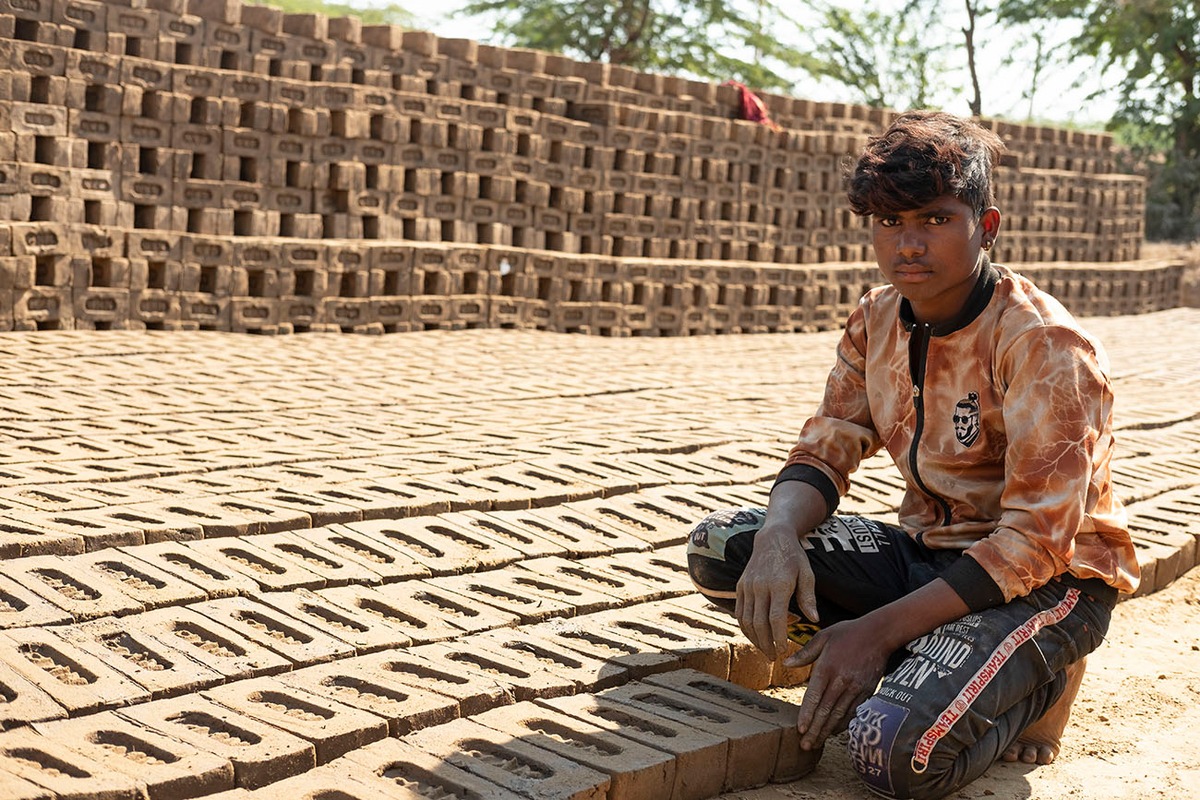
x,y
203,164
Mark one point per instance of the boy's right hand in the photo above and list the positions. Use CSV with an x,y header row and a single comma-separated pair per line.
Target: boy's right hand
x,y
777,572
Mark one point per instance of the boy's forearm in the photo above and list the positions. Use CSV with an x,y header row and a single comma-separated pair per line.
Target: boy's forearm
x,y
794,506
917,613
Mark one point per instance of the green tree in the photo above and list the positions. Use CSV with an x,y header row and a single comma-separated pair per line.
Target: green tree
x,y
1152,48
884,59
715,39
389,14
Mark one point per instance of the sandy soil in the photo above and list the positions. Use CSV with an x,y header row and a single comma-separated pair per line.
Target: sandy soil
x,y
1133,734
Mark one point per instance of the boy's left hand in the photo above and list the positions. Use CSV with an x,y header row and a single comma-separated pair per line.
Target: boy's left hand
x,y
848,660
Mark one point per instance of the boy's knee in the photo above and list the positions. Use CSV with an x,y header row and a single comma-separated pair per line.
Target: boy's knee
x,y
719,546
884,760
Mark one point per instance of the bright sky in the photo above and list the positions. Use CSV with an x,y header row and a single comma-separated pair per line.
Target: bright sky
x,y
1058,99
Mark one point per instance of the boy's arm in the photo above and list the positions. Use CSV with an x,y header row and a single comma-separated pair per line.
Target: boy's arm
x,y
778,569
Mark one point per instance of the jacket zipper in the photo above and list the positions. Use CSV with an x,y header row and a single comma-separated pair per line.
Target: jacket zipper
x,y
918,350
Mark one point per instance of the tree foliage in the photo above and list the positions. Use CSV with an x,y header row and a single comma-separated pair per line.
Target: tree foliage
x,y
1152,48
388,14
715,39
887,59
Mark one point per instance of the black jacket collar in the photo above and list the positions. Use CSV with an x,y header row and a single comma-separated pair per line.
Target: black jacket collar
x,y
977,301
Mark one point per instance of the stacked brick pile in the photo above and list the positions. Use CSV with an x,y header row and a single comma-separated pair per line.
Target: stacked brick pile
x,y
209,165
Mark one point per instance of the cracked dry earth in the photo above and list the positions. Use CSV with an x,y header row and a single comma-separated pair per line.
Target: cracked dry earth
x,y
447,564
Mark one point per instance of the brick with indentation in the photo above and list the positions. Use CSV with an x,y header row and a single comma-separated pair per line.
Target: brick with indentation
x,y
362,632
665,567
527,597
363,684
390,618
620,513
677,504
180,509
296,640
496,525
155,523
76,680
175,558
518,766
271,571
335,781
21,538
593,534
593,479
637,772
429,597
520,673
333,728
696,648
83,596
21,607
747,665
318,510
372,498
215,645
397,770
587,573
792,761
753,745
161,668
385,562
97,532
400,497
168,767
145,583
260,753
570,533
582,634
700,757
587,672
24,701
334,569
13,787
441,548
439,493
471,692
59,771
604,479
219,520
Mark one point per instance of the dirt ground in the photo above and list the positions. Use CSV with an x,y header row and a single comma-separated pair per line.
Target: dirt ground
x,y
1133,734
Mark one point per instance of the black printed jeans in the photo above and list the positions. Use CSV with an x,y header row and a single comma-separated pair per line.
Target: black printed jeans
x,y
952,700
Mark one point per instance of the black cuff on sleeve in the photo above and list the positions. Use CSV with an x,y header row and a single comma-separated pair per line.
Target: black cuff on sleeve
x,y
815,478
972,583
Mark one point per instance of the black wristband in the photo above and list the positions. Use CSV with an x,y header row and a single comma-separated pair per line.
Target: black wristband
x,y
814,478
973,584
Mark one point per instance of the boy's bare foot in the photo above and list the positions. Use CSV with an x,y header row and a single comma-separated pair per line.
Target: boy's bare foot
x,y
1040,742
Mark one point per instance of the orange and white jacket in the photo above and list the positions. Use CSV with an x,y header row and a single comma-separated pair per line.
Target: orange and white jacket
x,y
1000,422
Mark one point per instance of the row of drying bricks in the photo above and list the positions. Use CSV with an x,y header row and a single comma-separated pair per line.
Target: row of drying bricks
x,y
680,734
388,691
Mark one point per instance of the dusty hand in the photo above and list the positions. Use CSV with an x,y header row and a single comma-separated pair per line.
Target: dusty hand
x,y
777,571
848,660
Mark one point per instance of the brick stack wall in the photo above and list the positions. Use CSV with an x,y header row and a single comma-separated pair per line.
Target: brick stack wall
x,y
209,165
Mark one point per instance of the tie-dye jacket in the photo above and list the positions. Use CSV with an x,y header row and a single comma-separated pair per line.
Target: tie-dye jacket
x,y
1000,422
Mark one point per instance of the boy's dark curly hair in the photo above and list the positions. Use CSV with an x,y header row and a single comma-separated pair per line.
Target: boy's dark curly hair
x,y
924,155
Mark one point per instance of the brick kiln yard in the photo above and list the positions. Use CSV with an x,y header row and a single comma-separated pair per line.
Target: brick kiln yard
x,y
353,567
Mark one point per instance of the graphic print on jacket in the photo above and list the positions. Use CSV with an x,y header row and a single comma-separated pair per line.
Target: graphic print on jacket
x,y
966,419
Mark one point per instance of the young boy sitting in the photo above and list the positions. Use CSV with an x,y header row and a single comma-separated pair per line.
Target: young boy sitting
x,y
978,609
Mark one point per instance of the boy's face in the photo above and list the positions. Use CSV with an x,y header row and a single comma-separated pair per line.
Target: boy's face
x,y
931,254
